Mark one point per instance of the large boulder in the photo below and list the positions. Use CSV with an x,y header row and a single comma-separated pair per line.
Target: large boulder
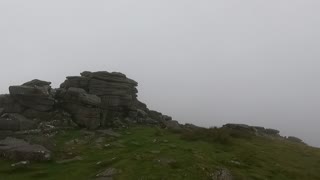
x,y
172,125
83,116
20,150
114,89
76,81
80,96
83,107
35,97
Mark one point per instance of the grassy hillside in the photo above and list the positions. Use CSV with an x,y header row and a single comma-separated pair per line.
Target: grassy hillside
x,y
143,153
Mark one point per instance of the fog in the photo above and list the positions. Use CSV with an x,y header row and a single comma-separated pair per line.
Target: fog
x,y
203,62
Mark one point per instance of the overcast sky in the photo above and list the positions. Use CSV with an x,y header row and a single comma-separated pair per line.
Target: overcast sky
x,y
201,61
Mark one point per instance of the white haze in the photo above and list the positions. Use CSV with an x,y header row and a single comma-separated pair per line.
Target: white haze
x,y
204,62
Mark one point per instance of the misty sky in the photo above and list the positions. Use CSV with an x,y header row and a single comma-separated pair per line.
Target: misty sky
x,y
201,61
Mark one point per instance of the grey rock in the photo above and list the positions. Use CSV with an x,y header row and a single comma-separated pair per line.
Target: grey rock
x,y
17,149
173,125
84,116
66,161
191,126
149,120
166,118
222,174
259,128
111,77
141,113
155,115
272,131
104,178
238,126
21,164
36,97
109,172
37,82
1,111
294,139
9,104
78,95
15,122
28,91
76,81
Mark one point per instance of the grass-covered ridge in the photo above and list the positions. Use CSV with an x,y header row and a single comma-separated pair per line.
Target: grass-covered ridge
x,y
143,153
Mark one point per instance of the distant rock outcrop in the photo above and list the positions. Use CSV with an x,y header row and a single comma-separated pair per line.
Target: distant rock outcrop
x,y
254,129
295,139
93,100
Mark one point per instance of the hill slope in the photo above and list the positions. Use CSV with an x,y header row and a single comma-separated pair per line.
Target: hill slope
x,y
145,152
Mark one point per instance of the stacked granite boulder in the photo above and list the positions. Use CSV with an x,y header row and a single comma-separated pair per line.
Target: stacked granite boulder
x,y
34,96
117,92
115,100
92,100
98,98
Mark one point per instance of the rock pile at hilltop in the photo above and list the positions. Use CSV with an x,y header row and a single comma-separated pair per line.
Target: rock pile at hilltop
x,y
92,100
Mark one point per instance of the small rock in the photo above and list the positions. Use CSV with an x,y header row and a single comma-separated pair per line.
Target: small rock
x,y
20,164
221,174
77,158
109,172
235,162
107,145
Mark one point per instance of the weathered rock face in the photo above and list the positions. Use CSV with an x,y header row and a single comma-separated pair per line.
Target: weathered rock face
x,y
83,107
116,91
15,122
34,94
9,105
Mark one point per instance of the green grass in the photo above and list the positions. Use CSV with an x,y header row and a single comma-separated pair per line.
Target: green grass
x,y
246,158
